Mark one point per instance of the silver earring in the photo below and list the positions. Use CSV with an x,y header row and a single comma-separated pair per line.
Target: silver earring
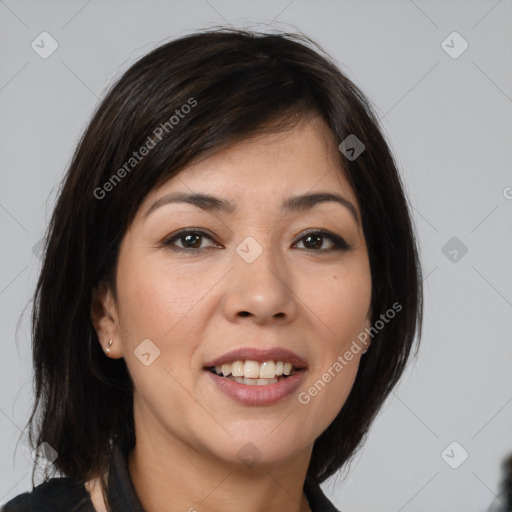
x,y
107,348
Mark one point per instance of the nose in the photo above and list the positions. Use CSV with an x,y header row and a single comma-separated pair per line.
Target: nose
x,y
260,288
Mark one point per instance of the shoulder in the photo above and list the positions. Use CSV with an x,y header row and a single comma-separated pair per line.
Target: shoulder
x,y
55,495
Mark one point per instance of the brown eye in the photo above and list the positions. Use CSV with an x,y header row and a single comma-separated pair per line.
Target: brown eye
x,y
190,240
315,239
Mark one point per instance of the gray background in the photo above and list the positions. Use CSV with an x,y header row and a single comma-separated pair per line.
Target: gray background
x,y
448,121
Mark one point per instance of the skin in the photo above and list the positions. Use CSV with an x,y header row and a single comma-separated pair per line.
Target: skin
x,y
310,300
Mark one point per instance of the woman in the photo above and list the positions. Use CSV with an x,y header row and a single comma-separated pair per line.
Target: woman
x,y
230,289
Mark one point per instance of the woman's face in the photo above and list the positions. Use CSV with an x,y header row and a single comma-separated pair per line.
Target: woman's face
x,y
257,277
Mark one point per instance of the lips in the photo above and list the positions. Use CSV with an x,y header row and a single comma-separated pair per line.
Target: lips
x,y
255,395
257,391
258,355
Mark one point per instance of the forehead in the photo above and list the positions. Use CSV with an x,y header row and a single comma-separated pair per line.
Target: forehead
x,y
266,168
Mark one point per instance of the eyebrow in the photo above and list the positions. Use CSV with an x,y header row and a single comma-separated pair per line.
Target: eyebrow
x,y
211,203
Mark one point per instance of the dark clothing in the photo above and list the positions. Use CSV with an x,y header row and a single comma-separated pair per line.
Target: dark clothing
x,y
68,495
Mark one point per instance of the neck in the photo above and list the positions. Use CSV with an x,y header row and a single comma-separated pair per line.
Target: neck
x,y
195,482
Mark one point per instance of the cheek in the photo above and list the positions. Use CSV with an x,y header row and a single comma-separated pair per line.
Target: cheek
x,y
341,306
340,301
160,302
157,303
156,297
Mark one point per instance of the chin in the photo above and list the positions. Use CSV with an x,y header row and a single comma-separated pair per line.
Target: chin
x,y
257,445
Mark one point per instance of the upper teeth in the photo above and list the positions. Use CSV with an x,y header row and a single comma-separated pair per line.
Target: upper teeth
x,y
255,370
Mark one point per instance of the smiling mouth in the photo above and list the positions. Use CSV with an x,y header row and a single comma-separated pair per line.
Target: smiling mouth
x,y
252,373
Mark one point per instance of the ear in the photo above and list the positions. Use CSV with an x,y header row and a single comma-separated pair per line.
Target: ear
x,y
104,318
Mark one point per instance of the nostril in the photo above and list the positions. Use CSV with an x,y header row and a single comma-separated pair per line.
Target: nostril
x,y
244,313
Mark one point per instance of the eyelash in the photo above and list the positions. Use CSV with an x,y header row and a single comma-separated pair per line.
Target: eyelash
x,y
338,242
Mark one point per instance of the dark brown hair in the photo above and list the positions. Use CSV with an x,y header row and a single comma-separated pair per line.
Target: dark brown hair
x,y
243,83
